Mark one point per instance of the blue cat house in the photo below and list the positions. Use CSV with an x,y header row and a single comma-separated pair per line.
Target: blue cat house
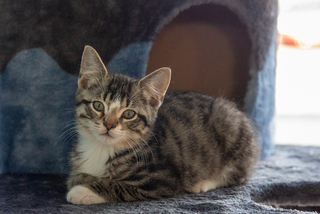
x,y
221,48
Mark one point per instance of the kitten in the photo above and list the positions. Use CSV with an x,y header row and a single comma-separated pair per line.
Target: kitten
x,y
137,143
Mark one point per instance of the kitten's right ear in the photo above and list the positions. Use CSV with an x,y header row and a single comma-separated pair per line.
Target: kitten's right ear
x,y
155,85
92,68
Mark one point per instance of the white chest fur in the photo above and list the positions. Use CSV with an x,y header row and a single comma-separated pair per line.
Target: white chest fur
x,y
93,156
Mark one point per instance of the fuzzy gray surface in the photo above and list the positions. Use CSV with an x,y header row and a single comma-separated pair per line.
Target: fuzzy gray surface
x,y
288,178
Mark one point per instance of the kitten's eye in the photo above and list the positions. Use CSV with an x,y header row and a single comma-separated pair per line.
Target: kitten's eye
x,y
98,106
128,114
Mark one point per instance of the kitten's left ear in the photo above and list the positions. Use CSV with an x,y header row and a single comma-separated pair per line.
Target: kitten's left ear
x,y
155,85
92,68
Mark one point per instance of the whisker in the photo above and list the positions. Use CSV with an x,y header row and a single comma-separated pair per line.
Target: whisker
x,y
144,152
145,143
135,94
133,149
67,111
67,135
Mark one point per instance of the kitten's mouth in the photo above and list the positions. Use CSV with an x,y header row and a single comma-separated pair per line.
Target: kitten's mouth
x,y
107,134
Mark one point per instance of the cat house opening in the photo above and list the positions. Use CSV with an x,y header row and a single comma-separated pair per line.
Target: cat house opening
x,y
207,48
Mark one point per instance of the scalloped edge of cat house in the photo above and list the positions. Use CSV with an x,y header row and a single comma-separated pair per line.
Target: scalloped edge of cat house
x,y
123,33
260,19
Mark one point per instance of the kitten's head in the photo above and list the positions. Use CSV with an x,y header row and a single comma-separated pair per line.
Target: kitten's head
x,y
113,109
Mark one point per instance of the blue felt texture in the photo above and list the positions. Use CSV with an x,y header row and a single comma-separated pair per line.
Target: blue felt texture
x,y
36,107
131,60
261,109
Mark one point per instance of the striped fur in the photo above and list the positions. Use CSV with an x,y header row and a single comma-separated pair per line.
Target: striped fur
x,y
176,143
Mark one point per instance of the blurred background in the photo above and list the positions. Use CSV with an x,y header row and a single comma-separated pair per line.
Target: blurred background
x,y
297,118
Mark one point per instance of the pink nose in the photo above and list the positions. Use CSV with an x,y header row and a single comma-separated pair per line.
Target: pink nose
x,y
109,126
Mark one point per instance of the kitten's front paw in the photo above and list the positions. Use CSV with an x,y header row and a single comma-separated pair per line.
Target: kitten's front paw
x,y
83,195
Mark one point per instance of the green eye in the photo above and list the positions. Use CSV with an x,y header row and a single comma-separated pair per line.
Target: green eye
x,y
97,105
128,114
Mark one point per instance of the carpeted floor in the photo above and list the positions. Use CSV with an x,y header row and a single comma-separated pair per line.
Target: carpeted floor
x,y
290,179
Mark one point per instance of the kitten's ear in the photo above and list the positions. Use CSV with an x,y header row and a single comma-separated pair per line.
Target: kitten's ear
x,y
155,85
92,68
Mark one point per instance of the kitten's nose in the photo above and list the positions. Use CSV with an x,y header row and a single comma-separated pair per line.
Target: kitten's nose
x,y
109,126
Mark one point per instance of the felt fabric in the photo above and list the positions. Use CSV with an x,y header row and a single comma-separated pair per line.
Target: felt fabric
x,y
36,114
63,27
40,51
290,177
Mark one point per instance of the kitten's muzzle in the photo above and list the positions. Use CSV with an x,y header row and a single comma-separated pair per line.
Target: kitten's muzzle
x,y
109,126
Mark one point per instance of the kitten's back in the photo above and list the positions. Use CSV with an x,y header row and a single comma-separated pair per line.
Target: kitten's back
x,y
209,140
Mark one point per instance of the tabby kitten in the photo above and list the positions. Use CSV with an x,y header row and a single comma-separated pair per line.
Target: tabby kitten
x,y
137,143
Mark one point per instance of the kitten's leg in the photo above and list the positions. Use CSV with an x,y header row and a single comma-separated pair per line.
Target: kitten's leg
x,y
204,186
87,189
79,193
82,195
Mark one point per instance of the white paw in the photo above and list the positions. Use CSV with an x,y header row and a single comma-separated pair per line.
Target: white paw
x,y
83,195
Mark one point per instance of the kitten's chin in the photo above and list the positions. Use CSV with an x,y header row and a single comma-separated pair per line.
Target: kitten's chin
x,y
92,136
117,142
109,139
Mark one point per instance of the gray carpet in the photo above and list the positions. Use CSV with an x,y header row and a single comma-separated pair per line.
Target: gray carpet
x,y
290,178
